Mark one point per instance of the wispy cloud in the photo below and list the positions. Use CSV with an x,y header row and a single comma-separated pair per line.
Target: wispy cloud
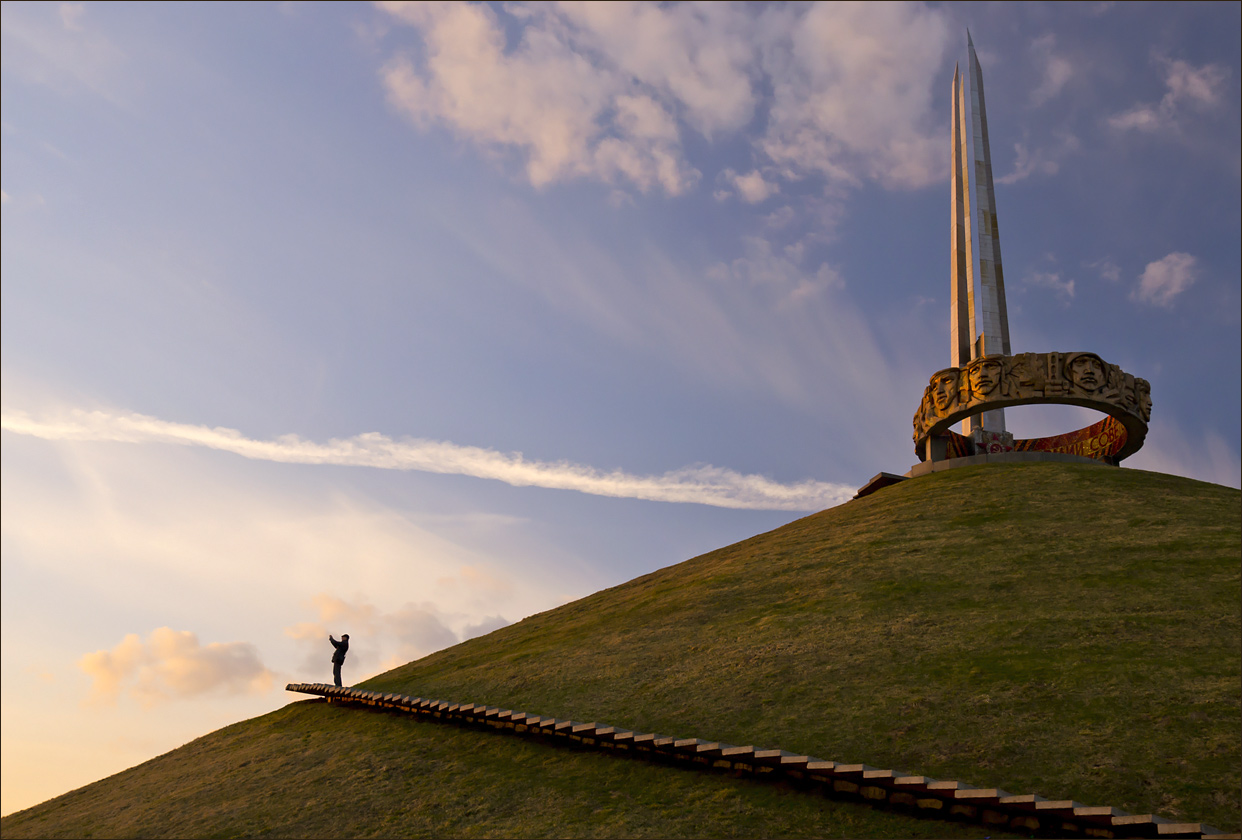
x,y
1043,160
71,16
702,484
567,109
606,91
1058,69
1165,279
50,45
172,664
1189,88
852,92
1109,271
1063,288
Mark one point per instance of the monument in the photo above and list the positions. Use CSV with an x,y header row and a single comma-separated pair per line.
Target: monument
x,y
984,377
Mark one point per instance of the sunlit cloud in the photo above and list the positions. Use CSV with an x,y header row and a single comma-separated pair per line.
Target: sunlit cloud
x,y
415,630
567,116
605,90
1188,88
1165,279
852,92
1051,280
703,484
172,664
751,187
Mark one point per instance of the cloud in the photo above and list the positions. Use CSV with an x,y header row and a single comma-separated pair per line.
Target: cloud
x,y
71,16
1045,160
605,91
1057,69
1109,270
778,271
415,629
1190,88
699,56
851,91
1027,163
752,187
171,664
703,484
567,116
487,625
1064,289
52,49
137,530
1165,279
1204,454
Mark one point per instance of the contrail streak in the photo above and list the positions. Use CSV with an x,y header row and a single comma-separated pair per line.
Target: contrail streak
x,y
703,484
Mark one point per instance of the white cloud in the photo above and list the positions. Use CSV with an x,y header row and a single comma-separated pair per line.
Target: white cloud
x,y
699,55
852,96
1064,289
598,90
1165,279
1195,85
172,664
567,116
1190,88
752,187
702,484
1057,69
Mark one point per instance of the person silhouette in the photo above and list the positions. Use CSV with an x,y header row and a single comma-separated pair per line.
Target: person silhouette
x,y
338,655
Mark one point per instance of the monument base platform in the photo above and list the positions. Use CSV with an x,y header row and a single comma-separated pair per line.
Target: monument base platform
x,y
885,479
1000,458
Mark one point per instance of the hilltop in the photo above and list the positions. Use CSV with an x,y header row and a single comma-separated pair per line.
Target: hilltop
x,y
1068,630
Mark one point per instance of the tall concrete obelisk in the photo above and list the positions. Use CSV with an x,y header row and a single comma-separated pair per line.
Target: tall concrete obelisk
x,y
978,328
985,378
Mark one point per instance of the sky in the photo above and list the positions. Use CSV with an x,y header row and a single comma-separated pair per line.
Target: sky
x,y
410,321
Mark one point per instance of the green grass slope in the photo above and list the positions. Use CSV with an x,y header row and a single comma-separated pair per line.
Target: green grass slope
x,y
1067,630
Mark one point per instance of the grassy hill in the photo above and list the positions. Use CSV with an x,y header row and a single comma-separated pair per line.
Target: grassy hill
x,y
1067,630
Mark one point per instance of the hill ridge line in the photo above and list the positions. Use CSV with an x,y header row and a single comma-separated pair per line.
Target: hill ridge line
x,y
895,789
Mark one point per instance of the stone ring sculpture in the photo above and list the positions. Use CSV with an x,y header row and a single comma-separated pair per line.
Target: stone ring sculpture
x,y
1000,381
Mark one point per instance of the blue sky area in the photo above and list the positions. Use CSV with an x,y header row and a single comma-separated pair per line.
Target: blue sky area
x,y
409,321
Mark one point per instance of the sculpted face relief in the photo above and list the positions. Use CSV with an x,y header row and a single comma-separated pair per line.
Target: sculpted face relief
x,y
1087,372
1144,395
944,389
985,374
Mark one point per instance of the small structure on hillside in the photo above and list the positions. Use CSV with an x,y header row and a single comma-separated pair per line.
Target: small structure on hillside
x,y
985,377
